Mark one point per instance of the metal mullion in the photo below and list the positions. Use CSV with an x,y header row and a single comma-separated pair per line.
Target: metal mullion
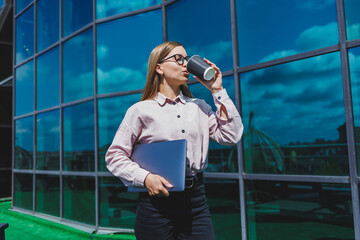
x,y
227,73
97,199
22,11
83,100
13,110
27,171
52,46
6,80
29,59
77,32
24,115
221,175
61,159
235,52
297,178
349,116
291,58
79,174
128,14
169,2
353,43
42,172
47,109
6,43
105,174
34,109
164,20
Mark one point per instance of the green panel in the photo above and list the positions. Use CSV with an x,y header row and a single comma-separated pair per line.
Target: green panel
x,y
223,200
48,194
23,191
48,141
79,137
24,135
221,158
117,205
298,211
79,199
294,118
110,113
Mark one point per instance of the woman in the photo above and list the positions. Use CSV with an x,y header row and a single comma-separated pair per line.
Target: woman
x,y
169,112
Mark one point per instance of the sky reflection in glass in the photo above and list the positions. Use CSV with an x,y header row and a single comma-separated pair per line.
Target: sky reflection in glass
x,y
25,35
24,89
79,135
78,67
48,140
221,158
295,109
205,31
352,16
268,31
24,135
48,80
354,61
111,111
47,23
122,59
21,4
76,14
108,8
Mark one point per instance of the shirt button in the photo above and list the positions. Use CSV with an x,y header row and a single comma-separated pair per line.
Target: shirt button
x,y
183,131
174,103
178,116
219,97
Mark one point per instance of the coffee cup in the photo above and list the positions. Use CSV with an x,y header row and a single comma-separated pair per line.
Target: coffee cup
x,y
197,66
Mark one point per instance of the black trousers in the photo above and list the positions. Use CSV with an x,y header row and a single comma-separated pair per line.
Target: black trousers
x,y
182,215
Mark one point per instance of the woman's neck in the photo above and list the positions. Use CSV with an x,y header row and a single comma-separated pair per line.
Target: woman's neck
x,y
169,91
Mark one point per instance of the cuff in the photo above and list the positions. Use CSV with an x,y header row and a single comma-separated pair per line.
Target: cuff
x,y
140,177
220,97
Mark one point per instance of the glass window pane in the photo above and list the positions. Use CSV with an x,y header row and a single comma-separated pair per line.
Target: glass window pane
x,y
24,89
354,58
78,68
268,31
79,199
79,137
24,135
352,8
48,194
224,204
295,210
110,113
23,191
48,141
76,14
21,4
25,35
48,80
47,23
294,118
122,61
211,38
221,158
107,8
117,205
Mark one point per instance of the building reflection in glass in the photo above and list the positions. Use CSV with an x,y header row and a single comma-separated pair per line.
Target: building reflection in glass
x,y
294,118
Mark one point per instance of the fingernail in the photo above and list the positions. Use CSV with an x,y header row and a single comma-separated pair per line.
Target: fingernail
x,y
169,185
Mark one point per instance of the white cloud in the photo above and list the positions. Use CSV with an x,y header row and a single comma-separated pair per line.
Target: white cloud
x,y
312,5
353,31
318,36
278,54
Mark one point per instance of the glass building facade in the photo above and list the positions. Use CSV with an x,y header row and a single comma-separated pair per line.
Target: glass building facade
x,y
291,68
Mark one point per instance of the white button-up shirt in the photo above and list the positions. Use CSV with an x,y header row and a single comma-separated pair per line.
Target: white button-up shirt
x,y
163,119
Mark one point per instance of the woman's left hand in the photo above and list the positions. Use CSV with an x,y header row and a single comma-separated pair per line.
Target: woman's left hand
x,y
215,84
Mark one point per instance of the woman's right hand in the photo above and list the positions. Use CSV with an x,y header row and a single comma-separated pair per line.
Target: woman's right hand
x,y
156,184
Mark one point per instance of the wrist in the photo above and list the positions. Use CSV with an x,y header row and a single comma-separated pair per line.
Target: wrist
x,y
216,90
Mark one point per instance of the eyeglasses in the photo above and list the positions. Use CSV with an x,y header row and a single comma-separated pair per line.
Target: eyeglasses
x,y
178,58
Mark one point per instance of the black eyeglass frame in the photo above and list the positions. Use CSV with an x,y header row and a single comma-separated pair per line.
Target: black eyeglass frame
x,y
174,56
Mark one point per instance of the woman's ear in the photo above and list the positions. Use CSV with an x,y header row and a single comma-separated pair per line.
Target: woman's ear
x,y
159,70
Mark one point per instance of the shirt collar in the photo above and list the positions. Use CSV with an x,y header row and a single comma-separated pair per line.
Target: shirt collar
x,y
162,99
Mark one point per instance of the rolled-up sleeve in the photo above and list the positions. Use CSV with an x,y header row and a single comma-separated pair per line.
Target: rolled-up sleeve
x,y
225,131
118,155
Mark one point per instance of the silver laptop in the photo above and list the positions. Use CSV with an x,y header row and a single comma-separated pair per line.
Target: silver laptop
x,y
167,159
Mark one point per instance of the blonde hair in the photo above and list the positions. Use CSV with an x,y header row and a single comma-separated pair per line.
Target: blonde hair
x,y
152,85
